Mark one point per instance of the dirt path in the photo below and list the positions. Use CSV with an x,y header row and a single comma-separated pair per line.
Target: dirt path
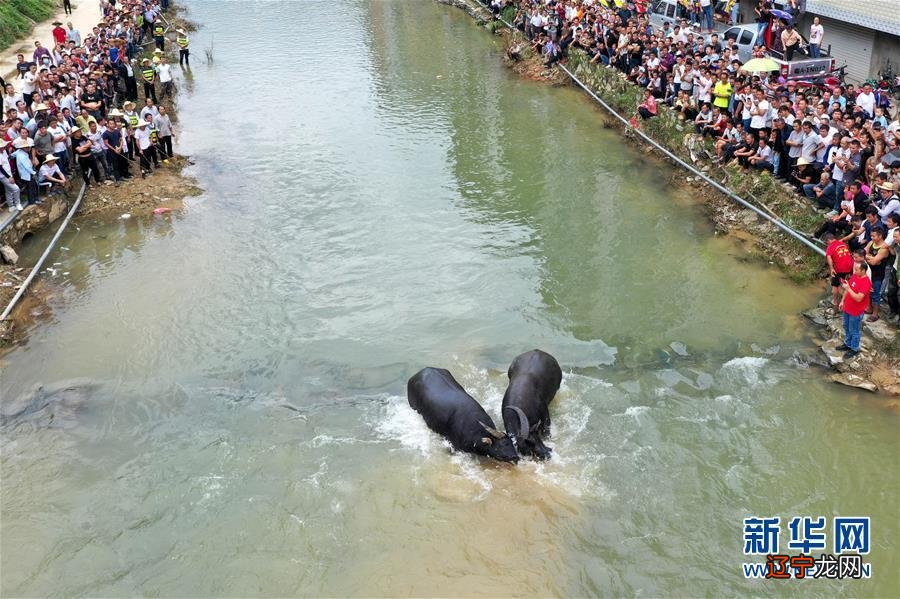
x,y
85,14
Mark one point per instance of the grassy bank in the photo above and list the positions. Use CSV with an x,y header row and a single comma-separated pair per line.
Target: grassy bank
x,y
17,18
761,188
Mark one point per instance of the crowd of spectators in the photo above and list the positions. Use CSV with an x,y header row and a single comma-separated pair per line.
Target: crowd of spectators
x,y
835,145
73,107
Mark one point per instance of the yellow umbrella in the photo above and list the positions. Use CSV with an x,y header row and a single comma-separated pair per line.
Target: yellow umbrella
x,y
759,65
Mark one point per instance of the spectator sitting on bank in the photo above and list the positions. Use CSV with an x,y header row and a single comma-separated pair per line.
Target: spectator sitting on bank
x,y
747,149
821,193
762,159
731,136
647,108
703,118
801,175
50,175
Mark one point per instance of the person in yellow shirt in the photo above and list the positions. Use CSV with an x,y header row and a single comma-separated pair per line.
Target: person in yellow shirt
x,y
722,92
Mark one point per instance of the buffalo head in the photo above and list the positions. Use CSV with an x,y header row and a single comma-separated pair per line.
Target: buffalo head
x,y
527,436
496,445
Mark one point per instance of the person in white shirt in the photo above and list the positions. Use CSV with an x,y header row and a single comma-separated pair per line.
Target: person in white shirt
x,y
60,150
840,150
759,112
816,33
164,71
10,98
866,100
762,159
29,82
149,108
145,148
50,173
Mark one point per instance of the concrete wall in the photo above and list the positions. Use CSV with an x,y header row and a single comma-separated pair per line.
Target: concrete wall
x,y
887,46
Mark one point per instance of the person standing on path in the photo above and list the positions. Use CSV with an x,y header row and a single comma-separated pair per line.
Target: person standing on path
x,y
164,72
86,161
67,6
148,76
25,167
159,35
853,305
166,133
7,180
184,53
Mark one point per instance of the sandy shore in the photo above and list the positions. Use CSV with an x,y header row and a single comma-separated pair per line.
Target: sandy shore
x,y
85,14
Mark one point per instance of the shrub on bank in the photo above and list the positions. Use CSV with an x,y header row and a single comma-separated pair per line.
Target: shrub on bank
x,y
17,17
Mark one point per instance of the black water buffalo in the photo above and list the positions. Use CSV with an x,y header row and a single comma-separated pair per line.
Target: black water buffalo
x,y
534,379
449,411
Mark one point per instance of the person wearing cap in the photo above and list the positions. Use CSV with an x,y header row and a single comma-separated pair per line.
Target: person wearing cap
x,y
81,146
50,174
887,202
25,168
184,51
7,179
148,76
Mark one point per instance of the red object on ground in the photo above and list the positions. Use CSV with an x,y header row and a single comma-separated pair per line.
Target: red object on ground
x,y
164,210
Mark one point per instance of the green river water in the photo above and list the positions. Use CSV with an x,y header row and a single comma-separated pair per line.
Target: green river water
x,y
382,195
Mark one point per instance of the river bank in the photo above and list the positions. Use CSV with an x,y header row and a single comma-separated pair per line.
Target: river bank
x,y
877,367
162,191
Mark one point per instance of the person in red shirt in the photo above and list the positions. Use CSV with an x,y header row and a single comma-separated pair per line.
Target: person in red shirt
x,y
854,304
59,34
840,263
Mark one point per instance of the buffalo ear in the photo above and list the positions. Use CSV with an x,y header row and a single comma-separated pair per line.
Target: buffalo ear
x,y
487,440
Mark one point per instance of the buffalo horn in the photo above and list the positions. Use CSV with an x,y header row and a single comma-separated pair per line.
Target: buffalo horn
x,y
524,428
491,431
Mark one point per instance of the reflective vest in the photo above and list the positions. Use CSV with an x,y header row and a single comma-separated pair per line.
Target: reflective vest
x,y
159,30
182,41
148,74
154,134
132,119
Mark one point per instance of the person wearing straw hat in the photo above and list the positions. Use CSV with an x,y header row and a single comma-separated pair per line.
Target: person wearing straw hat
x,y
887,201
50,174
25,168
145,148
184,52
7,179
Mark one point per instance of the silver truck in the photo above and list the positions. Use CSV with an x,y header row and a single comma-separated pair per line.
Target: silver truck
x,y
801,67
